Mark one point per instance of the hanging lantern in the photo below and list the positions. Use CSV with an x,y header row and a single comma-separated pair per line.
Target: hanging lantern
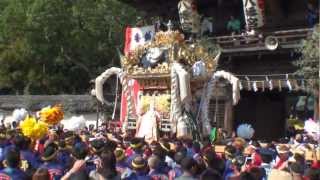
x,y
254,13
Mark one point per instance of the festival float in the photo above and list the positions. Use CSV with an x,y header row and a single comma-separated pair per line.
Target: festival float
x,y
167,84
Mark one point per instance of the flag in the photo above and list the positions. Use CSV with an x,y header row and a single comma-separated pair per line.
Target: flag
x,y
138,36
213,134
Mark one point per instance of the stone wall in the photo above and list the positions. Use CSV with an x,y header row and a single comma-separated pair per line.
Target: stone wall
x,y
70,103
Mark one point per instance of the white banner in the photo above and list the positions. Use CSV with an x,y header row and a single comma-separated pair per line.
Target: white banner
x,y
254,13
138,36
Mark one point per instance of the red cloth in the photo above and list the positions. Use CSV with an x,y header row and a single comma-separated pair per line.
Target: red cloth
x,y
128,152
257,160
316,164
128,40
279,164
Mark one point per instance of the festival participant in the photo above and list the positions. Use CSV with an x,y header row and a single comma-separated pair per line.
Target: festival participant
x,y
106,167
297,142
196,149
213,162
239,144
79,153
252,153
69,138
283,156
11,163
266,157
256,172
63,156
136,145
154,166
206,145
49,156
188,144
246,176
312,15
189,167
147,152
153,145
210,175
3,140
313,174
27,156
139,170
161,154
297,170
126,146
178,146
176,171
231,165
121,164
233,25
167,151
96,147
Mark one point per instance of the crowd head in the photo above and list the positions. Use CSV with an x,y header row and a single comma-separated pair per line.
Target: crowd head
x,y
92,154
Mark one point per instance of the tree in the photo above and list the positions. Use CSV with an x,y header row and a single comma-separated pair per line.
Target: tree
x,y
52,47
308,65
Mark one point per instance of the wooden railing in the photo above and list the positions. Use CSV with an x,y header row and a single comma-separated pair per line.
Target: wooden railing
x,y
287,39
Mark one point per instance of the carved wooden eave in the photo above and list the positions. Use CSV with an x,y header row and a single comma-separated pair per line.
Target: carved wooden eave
x,y
289,39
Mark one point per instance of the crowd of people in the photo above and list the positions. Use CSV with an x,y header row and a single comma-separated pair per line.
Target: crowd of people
x,y
103,155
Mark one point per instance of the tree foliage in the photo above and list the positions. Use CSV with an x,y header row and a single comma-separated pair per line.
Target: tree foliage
x,y
57,46
308,64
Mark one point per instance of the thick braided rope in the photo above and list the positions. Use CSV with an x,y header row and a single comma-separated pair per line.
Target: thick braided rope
x,y
126,90
100,80
206,126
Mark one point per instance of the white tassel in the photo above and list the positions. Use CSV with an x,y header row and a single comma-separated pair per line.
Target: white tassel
x,y
248,82
289,85
280,86
240,85
270,85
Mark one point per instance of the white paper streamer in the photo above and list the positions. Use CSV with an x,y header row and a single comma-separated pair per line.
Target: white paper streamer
x,y
248,82
280,86
270,85
254,86
240,86
289,85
